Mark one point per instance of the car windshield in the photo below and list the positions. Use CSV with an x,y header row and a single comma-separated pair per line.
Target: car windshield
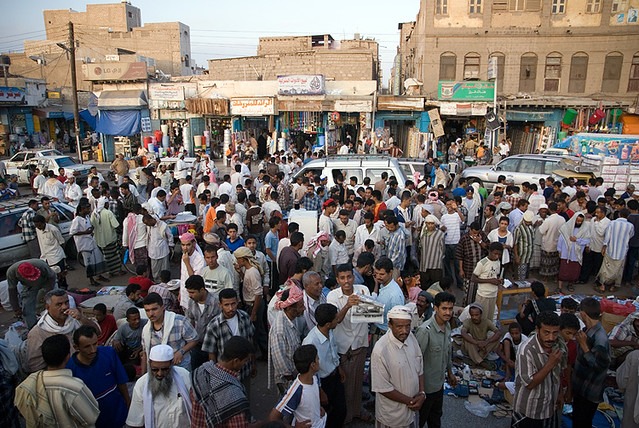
x,y
66,161
50,153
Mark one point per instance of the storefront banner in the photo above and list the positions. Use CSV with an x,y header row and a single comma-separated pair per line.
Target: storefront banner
x,y
253,106
301,85
354,106
466,91
463,109
166,93
115,71
394,103
10,95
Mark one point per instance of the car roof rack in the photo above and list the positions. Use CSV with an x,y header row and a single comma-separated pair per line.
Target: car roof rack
x,y
360,158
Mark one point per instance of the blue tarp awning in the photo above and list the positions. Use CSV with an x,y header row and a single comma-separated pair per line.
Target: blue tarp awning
x,y
88,118
118,122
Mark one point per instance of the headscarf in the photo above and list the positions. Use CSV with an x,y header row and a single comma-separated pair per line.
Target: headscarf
x,y
314,246
400,312
295,295
246,253
566,231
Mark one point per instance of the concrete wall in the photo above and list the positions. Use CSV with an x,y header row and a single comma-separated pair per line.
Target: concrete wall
x,y
334,64
514,34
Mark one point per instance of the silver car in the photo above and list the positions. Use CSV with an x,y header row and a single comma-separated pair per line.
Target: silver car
x,y
12,247
519,168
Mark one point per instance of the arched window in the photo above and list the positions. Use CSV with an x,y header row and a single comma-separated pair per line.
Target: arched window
x,y
612,72
471,66
447,66
552,74
578,73
528,72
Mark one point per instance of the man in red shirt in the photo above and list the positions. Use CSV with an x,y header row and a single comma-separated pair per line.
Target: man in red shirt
x,y
144,282
106,322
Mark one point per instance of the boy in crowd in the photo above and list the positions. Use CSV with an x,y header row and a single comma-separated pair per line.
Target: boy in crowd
x,y
509,346
303,398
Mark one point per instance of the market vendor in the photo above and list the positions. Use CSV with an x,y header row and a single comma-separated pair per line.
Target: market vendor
x,y
481,336
624,338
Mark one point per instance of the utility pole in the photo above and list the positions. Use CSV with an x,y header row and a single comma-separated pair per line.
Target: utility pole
x,y
74,89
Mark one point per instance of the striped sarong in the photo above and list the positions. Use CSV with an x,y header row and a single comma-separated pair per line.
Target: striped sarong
x,y
112,258
549,263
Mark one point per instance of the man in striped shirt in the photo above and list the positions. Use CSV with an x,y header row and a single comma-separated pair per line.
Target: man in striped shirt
x,y
537,378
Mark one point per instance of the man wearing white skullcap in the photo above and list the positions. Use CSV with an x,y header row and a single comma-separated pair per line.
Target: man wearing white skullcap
x,y
432,250
397,368
161,396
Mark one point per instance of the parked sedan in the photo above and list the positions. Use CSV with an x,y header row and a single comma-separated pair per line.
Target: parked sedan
x,y
54,163
18,160
12,247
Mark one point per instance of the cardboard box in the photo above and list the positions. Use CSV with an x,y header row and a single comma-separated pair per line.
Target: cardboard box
x,y
620,186
608,179
621,178
614,169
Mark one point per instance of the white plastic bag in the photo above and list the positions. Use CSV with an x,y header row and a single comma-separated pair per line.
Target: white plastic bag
x,y
479,408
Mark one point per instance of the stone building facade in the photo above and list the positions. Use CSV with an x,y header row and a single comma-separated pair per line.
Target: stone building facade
x,y
550,48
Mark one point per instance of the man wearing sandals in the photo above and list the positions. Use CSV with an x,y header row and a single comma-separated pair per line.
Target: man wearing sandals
x,y
614,250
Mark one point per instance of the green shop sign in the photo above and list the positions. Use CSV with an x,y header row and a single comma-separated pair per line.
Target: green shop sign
x,y
466,91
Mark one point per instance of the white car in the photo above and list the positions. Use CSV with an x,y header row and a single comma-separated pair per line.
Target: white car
x,y
12,247
20,158
54,163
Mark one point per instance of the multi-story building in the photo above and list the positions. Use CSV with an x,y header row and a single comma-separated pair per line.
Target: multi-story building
x,y
551,56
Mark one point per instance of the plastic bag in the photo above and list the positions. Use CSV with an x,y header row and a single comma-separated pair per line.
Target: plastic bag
x,y
615,308
479,408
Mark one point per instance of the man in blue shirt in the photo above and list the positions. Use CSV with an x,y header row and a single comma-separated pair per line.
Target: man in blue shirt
x,y
390,294
103,373
232,240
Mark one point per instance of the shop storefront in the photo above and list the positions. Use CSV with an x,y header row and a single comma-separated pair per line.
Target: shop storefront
x,y
251,117
398,117
302,122
120,119
209,118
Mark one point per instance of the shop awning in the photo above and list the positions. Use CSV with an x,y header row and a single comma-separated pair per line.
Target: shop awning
x,y
208,106
122,100
118,122
53,113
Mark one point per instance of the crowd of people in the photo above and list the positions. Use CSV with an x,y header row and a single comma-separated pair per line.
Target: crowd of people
x,y
253,287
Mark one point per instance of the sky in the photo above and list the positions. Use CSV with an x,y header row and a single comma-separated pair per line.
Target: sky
x,y
222,29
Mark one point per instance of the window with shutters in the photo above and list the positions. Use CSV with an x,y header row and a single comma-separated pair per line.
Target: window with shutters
x,y
593,6
633,80
518,5
552,74
500,5
474,6
558,7
471,66
441,7
618,5
578,73
501,63
447,66
612,72
527,72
